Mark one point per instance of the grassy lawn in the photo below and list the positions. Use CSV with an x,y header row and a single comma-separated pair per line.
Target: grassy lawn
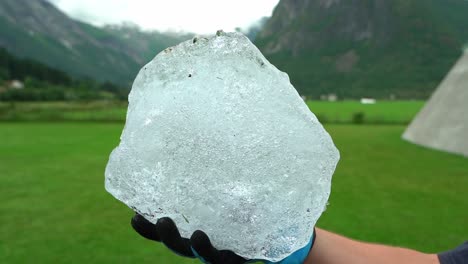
x,y
384,112
54,208
63,111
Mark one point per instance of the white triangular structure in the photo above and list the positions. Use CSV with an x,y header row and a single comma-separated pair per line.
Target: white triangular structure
x,y
443,122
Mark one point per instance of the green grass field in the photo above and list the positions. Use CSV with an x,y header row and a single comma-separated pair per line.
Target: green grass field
x,y
384,112
101,111
54,208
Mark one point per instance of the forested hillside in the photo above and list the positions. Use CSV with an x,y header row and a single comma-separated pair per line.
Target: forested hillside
x,y
43,83
358,48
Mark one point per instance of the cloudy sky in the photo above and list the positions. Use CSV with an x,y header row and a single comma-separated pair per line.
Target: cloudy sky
x,y
200,16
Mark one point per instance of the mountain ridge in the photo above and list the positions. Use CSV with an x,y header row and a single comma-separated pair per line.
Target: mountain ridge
x,y
355,48
38,30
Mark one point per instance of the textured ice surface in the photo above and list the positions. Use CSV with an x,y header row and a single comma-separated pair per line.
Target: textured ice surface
x,y
219,140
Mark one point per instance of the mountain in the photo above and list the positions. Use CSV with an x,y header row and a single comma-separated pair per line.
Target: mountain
x,y
358,48
38,30
12,68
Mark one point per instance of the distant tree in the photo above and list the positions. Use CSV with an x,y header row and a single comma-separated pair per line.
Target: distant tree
x,y
4,74
110,87
33,83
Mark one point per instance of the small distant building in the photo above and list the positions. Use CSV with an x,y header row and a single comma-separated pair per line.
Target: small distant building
x,y
368,101
15,84
332,98
329,97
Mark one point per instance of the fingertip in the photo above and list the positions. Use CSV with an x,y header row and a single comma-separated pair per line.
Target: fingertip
x,y
144,227
199,235
170,236
167,229
137,219
165,222
204,248
202,245
200,240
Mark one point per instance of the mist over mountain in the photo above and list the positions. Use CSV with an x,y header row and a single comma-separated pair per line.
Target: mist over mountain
x,y
366,47
36,29
252,31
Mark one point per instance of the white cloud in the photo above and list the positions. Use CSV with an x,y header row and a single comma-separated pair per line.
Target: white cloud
x,y
201,16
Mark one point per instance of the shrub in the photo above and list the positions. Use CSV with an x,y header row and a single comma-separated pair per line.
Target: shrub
x,y
358,118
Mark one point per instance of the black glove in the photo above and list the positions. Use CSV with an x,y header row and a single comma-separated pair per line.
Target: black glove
x,y
198,246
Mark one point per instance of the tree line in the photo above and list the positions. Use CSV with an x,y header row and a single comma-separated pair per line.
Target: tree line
x,y
44,83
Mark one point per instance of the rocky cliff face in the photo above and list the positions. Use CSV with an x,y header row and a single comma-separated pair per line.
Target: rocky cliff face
x,y
41,17
36,29
349,46
316,23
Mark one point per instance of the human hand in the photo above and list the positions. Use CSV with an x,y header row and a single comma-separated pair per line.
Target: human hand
x,y
199,245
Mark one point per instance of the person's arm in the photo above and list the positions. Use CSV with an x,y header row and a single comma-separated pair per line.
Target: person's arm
x,y
330,248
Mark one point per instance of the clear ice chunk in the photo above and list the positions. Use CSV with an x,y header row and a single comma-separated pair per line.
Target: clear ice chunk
x,y
218,139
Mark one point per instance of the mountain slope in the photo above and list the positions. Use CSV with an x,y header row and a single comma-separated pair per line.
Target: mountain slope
x,y
12,68
36,29
366,47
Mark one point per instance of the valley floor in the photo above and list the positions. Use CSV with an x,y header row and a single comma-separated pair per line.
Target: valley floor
x,y
343,112
54,207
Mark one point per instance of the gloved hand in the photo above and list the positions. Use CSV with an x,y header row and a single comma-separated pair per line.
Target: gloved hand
x,y
199,245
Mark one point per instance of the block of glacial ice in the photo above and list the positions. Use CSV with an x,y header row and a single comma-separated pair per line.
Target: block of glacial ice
x,y
219,140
